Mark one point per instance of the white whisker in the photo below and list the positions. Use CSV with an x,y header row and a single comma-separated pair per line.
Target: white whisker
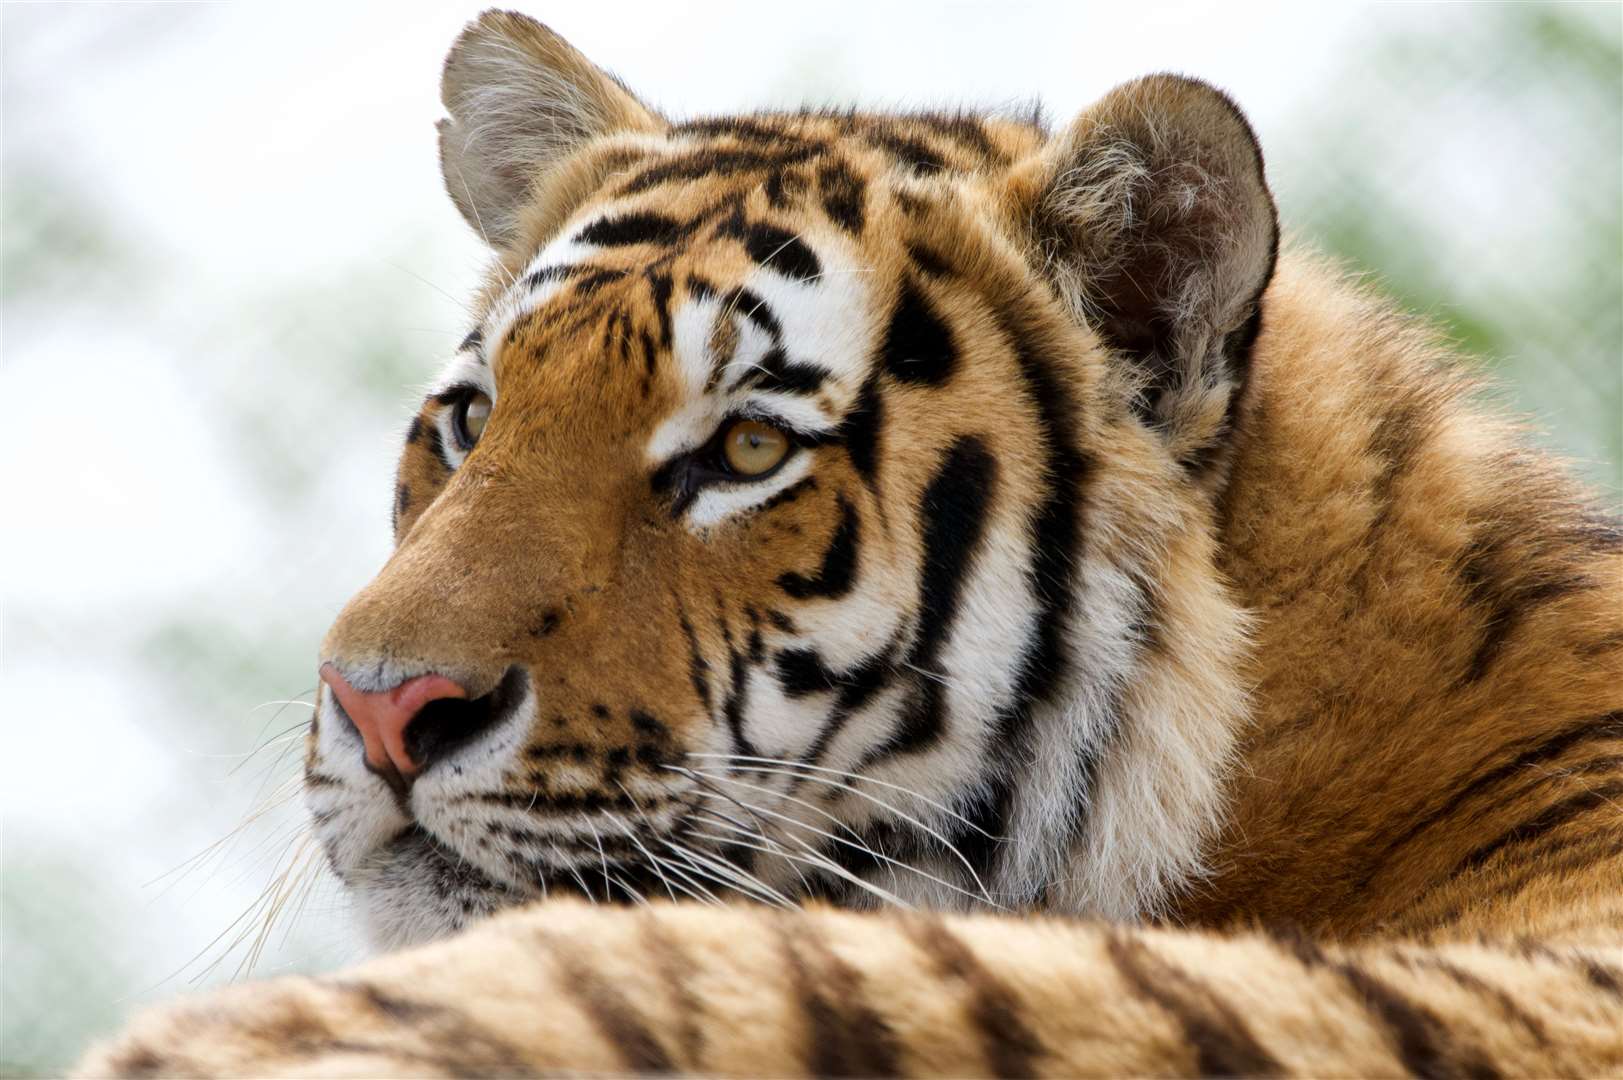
x,y
821,863
857,845
945,809
899,813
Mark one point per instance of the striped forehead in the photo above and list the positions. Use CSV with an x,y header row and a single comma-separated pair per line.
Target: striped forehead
x,y
791,336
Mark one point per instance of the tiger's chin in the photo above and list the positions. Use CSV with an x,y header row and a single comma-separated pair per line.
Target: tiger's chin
x,y
413,891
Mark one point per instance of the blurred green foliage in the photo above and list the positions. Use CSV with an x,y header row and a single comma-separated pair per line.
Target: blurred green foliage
x,y
1541,309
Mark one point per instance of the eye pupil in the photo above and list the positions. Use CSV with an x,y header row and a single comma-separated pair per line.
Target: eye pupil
x,y
752,448
469,419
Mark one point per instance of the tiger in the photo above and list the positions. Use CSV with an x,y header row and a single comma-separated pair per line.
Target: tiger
x,y
929,594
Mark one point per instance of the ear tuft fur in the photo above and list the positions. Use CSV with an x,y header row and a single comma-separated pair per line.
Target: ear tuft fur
x,y
1153,219
521,99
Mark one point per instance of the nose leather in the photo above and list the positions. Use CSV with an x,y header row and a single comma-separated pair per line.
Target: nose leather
x,y
382,716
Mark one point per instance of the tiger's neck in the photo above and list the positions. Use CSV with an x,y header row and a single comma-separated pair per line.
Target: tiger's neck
x,y
1429,597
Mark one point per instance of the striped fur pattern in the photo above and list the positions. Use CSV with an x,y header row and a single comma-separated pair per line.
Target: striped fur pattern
x,y
748,991
1160,607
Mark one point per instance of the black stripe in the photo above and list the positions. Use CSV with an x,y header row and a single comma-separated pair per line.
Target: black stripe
x,y
609,1010
1395,442
769,246
845,1036
1498,995
861,430
674,968
842,193
732,707
637,227
715,162
860,855
589,283
909,151
1552,817
461,1046
1011,1047
539,802
744,129
1609,726
953,511
918,345
135,1060
1418,1036
1507,587
928,260
701,289
857,687
802,672
783,188
475,338
965,129
755,309
540,277
698,666
1055,542
650,353
776,373
436,446
1532,872
660,286
1223,1045
784,498
869,1043
838,570
978,836
1601,976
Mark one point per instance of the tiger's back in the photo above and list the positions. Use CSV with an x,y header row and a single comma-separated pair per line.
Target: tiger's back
x,y
1436,731
930,511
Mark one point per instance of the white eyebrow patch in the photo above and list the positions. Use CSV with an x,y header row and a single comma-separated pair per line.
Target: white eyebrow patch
x,y
535,286
825,320
691,325
753,345
464,369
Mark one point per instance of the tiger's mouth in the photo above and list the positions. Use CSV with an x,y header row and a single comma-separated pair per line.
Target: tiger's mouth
x,y
618,876
417,889
414,890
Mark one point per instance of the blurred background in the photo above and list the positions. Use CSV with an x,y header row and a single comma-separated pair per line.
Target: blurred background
x,y
228,265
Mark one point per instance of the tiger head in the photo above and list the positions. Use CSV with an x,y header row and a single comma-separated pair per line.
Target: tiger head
x,y
822,504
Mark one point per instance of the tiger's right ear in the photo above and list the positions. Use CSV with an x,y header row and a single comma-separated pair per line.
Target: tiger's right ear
x,y
521,100
1152,219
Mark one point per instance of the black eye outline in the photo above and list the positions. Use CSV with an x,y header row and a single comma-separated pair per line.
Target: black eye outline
x,y
458,398
686,475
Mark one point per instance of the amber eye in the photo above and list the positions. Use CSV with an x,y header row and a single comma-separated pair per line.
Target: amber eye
x,y
468,420
753,448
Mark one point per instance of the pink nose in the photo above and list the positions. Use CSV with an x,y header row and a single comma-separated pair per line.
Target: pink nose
x,y
382,718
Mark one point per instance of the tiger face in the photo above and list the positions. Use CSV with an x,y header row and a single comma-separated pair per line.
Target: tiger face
x,y
815,508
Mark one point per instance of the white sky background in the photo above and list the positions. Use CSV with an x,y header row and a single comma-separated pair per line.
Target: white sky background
x,y
252,151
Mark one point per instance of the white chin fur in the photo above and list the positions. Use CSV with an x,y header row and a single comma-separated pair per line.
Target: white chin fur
x,y
415,893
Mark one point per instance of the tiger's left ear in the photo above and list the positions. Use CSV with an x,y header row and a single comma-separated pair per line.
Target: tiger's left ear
x,y
1153,220
521,101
